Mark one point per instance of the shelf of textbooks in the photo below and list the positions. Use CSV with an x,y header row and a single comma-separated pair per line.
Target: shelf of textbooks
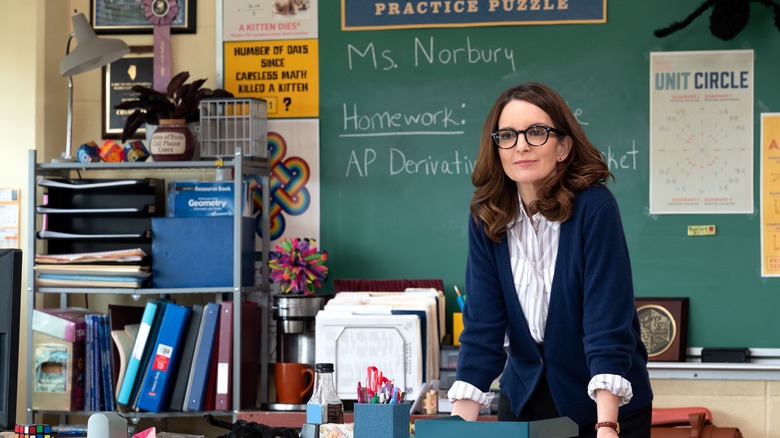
x,y
236,169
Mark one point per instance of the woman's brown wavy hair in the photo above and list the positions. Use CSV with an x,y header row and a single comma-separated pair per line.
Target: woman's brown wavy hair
x,y
495,201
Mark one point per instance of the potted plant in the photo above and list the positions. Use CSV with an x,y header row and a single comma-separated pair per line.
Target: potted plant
x,y
179,102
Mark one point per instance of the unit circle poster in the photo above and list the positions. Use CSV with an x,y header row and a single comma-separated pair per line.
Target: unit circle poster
x,y
701,132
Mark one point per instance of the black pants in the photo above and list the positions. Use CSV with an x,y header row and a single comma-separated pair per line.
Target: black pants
x,y
540,406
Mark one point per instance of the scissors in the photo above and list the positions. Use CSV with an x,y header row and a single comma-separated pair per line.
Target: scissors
x,y
373,378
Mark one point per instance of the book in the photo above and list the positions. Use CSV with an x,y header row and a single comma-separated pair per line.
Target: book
x,y
124,348
120,316
201,364
106,364
134,362
206,198
92,390
187,352
155,391
66,323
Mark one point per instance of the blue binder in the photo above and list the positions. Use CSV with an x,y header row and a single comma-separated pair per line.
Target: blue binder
x,y
204,348
164,362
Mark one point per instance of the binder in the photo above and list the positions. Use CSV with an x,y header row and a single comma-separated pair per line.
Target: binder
x,y
204,347
224,357
134,363
163,364
147,354
250,351
187,352
209,399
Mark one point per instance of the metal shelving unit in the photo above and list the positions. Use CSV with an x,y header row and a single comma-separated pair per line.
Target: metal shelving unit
x,y
241,167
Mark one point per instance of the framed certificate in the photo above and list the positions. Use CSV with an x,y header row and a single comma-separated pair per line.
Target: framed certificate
x,y
127,16
119,77
664,326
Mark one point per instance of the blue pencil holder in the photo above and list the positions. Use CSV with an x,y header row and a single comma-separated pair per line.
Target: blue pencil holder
x,y
382,420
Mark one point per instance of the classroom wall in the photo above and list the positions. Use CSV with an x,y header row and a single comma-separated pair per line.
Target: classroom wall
x,y
19,114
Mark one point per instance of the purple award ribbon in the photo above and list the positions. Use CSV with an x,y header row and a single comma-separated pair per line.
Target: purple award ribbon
x,y
161,13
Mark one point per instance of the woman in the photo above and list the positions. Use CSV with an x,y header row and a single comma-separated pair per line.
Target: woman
x,y
550,296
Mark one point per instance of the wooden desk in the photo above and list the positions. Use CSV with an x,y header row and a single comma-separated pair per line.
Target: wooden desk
x,y
297,418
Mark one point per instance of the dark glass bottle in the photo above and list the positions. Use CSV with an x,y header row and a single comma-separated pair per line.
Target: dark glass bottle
x,y
324,406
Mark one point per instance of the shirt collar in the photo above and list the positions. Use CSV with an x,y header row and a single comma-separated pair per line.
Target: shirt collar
x,y
538,218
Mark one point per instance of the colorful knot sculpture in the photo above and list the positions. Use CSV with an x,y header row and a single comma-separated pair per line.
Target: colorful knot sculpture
x,y
298,266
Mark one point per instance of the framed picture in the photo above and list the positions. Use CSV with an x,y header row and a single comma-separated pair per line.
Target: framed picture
x,y
119,77
127,16
664,326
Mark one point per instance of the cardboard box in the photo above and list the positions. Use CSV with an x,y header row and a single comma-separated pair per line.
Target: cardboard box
x,y
197,198
66,323
58,373
198,252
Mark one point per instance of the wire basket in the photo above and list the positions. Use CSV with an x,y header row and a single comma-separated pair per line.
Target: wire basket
x,y
228,125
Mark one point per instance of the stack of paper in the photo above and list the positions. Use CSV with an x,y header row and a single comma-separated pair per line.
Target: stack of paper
x,y
123,269
398,332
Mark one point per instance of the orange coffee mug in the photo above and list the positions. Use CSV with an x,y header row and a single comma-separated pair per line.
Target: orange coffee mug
x,y
292,382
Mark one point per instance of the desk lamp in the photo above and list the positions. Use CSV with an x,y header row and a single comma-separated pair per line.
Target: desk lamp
x,y
91,52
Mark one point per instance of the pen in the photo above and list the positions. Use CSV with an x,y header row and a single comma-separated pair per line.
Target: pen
x,y
461,298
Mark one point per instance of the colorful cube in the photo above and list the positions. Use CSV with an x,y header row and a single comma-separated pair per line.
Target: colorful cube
x,y
88,153
135,151
110,151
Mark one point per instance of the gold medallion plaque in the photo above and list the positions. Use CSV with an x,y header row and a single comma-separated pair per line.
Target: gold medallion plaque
x,y
663,325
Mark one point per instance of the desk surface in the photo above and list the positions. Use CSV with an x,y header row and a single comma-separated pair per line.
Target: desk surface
x,y
298,418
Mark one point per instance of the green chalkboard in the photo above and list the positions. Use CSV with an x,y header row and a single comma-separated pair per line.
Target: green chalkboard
x,y
401,110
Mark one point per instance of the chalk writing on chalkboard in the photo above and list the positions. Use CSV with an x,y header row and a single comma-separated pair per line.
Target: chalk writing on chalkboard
x,y
429,51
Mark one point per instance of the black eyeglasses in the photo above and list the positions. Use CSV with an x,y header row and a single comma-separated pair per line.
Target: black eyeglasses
x,y
534,136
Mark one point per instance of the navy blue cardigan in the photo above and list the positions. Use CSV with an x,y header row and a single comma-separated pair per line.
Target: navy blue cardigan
x,y
592,326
